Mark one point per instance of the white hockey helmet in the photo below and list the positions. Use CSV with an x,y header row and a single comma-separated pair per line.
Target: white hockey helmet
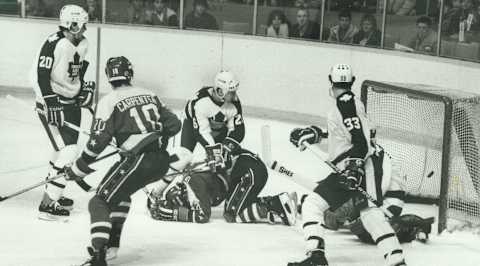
x,y
181,157
341,73
73,18
225,82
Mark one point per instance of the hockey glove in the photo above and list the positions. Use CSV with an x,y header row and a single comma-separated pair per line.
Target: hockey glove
x,y
311,134
77,171
354,172
230,147
85,97
53,111
215,157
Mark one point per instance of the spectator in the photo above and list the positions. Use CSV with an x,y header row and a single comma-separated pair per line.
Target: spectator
x,y
94,10
425,39
475,27
161,15
345,30
136,12
200,18
305,28
277,25
468,13
451,18
369,35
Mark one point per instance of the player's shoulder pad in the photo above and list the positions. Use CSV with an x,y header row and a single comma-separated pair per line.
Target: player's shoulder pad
x,y
346,104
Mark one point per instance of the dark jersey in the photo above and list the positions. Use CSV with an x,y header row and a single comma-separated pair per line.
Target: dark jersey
x,y
212,189
211,118
129,114
60,67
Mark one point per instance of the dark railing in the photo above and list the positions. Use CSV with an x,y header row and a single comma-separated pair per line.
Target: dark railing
x,y
433,27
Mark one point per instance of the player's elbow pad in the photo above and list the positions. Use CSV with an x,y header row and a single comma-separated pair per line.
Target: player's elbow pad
x,y
171,126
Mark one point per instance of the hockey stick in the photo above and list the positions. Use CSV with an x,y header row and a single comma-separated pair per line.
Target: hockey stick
x,y
308,183
321,156
48,180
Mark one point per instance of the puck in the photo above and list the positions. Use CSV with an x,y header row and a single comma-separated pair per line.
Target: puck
x,y
430,174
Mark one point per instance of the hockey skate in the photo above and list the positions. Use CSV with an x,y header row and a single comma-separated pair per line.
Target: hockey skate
x,y
65,203
282,205
52,212
97,258
316,258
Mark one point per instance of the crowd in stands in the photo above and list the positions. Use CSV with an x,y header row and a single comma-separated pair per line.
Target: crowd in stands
x,y
300,19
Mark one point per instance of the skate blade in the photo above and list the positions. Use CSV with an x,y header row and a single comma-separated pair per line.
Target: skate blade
x,y
52,218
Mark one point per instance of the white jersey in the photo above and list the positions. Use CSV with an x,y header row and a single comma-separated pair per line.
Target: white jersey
x,y
60,67
349,130
210,117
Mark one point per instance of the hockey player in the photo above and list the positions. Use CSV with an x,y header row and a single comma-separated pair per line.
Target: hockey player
x,y
58,81
141,126
407,227
350,148
214,114
190,199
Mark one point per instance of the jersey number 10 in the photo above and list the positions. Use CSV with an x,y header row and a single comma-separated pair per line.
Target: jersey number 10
x,y
147,119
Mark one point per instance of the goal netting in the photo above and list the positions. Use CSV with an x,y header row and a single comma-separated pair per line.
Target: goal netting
x,y
433,135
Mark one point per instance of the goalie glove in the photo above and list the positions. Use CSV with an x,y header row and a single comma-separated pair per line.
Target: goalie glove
x,y
311,134
354,172
85,97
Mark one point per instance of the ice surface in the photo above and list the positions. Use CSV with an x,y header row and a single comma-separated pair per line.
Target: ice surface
x,y
27,241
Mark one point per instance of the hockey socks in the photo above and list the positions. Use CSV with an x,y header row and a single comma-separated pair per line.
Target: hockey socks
x,y
100,225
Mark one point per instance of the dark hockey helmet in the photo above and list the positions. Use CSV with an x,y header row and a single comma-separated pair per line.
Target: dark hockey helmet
x,y
118,69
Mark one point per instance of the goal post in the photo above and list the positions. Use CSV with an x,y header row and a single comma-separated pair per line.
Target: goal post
x,y
433,134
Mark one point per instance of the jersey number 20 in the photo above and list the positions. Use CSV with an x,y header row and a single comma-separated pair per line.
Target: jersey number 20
x,y
146,117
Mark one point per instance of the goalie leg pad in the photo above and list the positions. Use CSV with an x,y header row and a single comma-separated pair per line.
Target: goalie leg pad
x,y
235,202
313,208
382,233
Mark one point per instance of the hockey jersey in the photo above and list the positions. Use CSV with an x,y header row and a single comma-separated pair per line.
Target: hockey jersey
x,y
60,67
211,118
129,114
349,130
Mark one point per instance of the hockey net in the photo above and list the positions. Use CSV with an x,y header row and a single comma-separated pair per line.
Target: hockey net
x,y
433,135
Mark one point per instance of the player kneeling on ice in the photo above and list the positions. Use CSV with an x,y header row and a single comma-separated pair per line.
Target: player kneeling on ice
x,y
236,177
214,114
141,126
350,148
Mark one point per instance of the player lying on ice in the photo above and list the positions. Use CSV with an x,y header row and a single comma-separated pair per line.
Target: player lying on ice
x,y
237,178
407,227
351,147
